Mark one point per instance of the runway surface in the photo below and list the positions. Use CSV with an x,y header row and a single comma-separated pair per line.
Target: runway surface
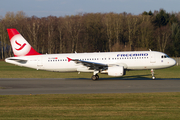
x,y
26,86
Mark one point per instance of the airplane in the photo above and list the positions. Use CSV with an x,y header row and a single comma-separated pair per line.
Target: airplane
x,y
111,63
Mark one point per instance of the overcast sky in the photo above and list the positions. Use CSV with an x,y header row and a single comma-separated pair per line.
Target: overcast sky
x,y
44,8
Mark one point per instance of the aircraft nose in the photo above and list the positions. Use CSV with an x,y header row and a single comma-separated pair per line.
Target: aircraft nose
x,y
173,62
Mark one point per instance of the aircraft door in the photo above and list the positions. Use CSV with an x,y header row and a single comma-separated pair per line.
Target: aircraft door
x,y
152,58
39,62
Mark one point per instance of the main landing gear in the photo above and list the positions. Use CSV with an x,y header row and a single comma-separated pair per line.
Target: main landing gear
x,y
95,76
152,72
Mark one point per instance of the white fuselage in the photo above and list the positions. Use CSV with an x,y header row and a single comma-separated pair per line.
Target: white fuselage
x,y
133,60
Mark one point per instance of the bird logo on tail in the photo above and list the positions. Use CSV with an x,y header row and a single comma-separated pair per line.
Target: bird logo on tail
x,y
21,46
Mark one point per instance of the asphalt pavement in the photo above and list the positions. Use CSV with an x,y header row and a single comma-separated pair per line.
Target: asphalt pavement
x,y
26,86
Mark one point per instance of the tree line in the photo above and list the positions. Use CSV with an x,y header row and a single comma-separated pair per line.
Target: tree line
x,y
94,32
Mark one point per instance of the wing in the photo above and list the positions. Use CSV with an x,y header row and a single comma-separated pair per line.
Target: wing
x,y
90,65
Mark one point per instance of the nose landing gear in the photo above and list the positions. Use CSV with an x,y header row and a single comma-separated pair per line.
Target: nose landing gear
x,y
152,72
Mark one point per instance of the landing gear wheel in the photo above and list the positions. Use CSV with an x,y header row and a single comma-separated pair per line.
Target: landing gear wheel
x,y
95,77
153,78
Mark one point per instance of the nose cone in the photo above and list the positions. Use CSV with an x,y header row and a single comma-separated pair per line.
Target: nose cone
x,y
172,62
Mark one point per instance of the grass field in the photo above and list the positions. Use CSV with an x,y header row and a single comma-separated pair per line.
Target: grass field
x,y
135,106
12,71
139,106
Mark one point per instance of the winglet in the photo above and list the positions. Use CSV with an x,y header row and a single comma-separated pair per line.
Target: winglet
x,y
69,59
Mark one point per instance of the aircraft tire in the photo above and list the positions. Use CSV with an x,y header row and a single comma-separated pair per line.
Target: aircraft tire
x,y
94,77
97,77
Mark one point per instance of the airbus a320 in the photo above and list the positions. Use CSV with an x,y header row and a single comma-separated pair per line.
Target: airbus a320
x,y
111,63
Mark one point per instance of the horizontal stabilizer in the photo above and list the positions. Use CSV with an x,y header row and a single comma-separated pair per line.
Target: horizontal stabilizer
x,y
22,61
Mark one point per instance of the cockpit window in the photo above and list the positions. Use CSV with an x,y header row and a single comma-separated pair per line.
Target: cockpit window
x,y
164,56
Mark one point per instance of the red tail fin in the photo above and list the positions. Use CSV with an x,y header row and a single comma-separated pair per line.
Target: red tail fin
x,y
19,45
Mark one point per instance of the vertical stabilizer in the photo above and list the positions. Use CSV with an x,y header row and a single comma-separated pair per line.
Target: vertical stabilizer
x,y
19,45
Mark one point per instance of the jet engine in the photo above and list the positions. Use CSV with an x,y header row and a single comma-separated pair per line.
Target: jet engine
x,y
116,71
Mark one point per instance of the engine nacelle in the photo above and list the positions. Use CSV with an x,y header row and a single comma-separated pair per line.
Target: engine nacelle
x,y
116,71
